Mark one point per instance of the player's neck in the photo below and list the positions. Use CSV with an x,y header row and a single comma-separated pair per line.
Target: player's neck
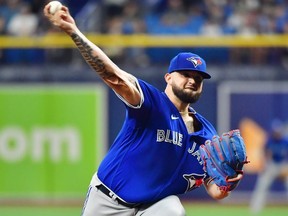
x,y
182,107
188,120
184,112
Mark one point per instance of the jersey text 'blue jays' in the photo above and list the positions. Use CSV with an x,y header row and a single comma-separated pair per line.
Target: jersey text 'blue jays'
x,y
173,155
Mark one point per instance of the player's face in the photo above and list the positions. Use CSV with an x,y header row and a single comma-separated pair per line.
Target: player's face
x,y
187,86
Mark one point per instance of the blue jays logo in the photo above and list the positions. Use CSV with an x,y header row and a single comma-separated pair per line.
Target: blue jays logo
x,y
195,61
194,180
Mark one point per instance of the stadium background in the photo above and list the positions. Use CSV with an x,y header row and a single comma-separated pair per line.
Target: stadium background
x,y
57,119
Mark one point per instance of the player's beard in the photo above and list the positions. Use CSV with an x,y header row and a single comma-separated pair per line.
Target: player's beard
x,y
185,96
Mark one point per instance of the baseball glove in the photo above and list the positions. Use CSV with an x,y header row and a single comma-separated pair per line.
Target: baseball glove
x,y
223,159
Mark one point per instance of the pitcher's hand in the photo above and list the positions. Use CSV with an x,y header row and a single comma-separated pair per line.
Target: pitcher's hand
x,y
61,19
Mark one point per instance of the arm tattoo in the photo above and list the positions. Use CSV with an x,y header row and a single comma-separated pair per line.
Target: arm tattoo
x,y
94,61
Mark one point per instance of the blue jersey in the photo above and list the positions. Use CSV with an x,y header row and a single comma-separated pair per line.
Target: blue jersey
x,y
278,148
154,156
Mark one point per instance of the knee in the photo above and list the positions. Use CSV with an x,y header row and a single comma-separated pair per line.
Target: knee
x,y
175,208
176,211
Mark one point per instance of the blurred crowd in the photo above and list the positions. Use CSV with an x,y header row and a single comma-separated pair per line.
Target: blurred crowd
x,y
197,17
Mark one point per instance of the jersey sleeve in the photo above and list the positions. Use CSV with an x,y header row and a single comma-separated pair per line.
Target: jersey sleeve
x,y
141,95
150,103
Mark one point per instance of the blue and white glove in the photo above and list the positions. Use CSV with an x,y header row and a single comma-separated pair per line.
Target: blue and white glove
x,y
223,158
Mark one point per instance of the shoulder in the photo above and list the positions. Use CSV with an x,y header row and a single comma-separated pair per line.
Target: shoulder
x,y
206,124
149,91
145,85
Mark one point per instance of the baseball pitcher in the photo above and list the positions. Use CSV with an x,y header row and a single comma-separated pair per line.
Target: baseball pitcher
x,y
165,147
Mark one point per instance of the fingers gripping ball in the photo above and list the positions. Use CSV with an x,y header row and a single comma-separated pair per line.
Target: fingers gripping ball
x,y
54,7
224,158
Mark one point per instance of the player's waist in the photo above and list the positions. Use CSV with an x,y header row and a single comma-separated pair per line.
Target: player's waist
x,y
137,190
96,182
113,196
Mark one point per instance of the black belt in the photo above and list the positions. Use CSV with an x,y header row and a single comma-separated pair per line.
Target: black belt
x,y
106,191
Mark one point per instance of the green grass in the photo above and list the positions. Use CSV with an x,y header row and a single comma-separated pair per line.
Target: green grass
x,y
231,210
40,211
192,209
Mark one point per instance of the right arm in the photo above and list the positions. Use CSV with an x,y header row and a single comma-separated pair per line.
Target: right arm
x,y
217,192
214,191
120,81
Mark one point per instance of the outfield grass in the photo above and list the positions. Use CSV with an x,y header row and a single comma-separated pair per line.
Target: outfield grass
x,y
40,211
232,210
192,209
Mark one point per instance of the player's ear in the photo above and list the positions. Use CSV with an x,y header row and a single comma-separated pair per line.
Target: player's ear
x,y
168,78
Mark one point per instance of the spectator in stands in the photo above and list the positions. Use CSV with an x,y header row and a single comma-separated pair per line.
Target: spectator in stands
x,y
126,19
281,19
24,23
214,20
245,21
133,23
37,5
174,17
8,9
2,25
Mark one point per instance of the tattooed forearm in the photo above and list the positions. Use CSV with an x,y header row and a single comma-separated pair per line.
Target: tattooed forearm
x,y
94,61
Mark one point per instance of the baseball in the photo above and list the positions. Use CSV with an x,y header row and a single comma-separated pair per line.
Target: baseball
x,y
54,6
